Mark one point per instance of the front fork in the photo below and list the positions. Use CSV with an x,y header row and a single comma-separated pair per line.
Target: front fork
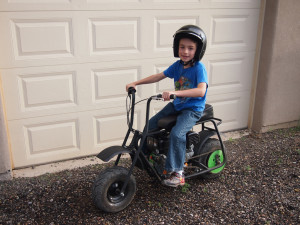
x,y
137,153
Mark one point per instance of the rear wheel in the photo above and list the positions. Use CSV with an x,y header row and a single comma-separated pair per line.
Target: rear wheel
x,y
107,188
213,156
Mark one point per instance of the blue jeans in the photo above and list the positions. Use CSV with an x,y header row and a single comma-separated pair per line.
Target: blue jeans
x,y
186,119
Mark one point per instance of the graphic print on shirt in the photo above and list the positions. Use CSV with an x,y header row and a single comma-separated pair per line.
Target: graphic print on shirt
x,y
183,84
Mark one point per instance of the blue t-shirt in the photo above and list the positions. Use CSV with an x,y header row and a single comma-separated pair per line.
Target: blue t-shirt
x,y
186,79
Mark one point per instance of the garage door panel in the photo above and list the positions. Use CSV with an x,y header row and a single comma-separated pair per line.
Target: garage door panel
x,y
227,31
166,27
20,5
177,4
41,91
42,38
58,137
110,126
53,38
114,35
232,3
230,31
228,73
108,85
48,137
34,38
107,38
232,108
111,83
108,81
41,140
104,132
47,90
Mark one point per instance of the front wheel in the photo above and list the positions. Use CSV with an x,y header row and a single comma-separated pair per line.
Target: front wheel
x,y
212,155
107,188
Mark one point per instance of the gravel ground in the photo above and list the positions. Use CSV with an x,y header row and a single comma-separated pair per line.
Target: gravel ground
x,y
260,185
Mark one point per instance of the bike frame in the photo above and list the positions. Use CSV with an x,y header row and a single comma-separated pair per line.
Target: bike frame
x,y
137,150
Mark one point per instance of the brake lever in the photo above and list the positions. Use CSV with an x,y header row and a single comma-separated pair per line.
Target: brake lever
x,y
158,97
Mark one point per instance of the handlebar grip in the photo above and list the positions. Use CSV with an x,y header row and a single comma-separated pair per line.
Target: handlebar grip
x,y
171,96
131,90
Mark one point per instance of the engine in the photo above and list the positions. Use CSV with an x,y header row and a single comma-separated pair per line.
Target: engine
x,y
158,147
193,139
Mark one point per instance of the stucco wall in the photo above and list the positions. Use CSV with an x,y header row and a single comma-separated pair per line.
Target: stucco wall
x,y
277,92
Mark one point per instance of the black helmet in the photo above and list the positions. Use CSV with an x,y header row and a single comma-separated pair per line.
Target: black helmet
x,y
195,33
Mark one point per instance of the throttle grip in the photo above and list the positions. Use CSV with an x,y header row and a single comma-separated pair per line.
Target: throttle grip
x,y
171,96
131,90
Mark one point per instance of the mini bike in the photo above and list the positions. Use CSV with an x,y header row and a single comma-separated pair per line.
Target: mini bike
x,y
114,188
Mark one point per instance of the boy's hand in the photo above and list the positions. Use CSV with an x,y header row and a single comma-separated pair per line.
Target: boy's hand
x,y
166,95
130,85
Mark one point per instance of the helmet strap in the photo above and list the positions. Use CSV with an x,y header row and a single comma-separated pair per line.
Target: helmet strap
x,y
191,62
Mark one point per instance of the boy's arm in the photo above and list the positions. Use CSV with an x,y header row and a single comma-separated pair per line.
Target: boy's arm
x,y
148,80
199,91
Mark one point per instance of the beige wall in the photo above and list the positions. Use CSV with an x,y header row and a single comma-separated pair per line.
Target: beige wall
x,y
277,101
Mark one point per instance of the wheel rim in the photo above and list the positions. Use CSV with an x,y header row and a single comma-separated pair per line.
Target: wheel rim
x,y
214,159
114,192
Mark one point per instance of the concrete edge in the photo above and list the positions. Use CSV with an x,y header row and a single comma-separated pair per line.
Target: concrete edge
x,y
6,176
291,124
55,167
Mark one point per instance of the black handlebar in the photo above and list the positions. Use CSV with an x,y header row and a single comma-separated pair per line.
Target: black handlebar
x,y
131,90
131,95
171,96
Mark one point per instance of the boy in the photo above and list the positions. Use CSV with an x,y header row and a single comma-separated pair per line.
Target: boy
x,y
190,79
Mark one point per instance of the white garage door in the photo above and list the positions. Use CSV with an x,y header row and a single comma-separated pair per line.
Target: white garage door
x,y
64,65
